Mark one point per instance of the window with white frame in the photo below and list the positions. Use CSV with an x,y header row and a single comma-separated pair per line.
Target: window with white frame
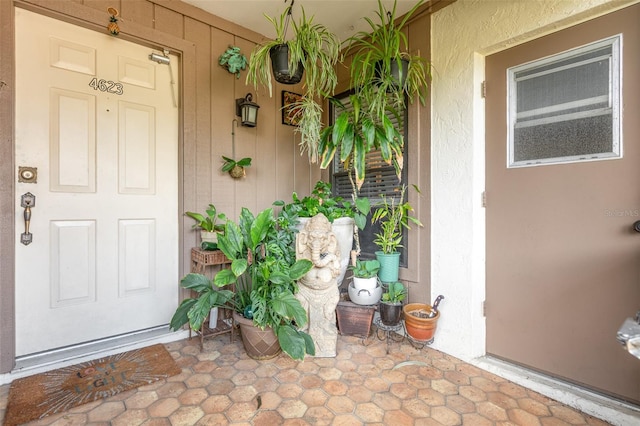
x,y
566,108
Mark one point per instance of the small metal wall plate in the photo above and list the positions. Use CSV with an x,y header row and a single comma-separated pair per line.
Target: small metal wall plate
x,y
27,174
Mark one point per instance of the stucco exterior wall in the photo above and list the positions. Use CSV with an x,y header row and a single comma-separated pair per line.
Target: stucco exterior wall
x,y
462,35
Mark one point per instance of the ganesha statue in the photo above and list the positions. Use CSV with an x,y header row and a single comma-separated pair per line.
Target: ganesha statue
x,y
319,293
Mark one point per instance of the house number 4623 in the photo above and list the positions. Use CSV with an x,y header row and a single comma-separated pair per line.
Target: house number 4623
x,y
106,86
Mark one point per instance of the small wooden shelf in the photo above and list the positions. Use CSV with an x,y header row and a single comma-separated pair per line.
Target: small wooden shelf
x,y
200,260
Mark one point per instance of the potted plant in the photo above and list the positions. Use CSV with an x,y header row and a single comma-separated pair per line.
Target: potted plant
x,y
394,216
210,224
365,274
314,49
421,320
382,70
342,215
264,272
356,132
235,168
391,303
379,94
195,310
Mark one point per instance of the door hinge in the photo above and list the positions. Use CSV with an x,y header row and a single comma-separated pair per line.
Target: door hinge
x,y
483,89
484,198
484,308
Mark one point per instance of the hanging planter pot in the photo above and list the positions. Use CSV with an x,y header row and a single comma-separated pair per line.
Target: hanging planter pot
x,y
280,65
235,168
398,74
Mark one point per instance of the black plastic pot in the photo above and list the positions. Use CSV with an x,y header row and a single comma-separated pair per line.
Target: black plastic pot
x,y
390,313
280,65
395,71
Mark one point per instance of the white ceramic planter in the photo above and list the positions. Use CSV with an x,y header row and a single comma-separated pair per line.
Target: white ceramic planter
x,y
365,283
365,296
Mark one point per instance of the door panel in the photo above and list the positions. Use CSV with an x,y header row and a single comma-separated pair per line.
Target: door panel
x,y
97,119
563,264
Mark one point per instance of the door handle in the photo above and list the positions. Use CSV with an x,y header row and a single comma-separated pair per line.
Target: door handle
x,y
28,200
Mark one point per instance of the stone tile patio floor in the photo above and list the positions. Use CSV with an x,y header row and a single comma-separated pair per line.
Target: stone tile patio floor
x,y
221,385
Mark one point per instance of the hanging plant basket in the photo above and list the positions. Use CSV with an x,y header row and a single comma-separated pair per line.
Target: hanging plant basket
x,y
398,73
235,168
280,65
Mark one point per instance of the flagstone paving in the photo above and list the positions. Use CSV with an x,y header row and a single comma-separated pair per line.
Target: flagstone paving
x,y
363,384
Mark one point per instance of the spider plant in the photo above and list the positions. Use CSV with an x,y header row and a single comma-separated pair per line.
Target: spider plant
x,y
383,71
313,48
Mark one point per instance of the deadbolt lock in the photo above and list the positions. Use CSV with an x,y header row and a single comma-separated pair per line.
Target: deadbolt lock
x,y
27,174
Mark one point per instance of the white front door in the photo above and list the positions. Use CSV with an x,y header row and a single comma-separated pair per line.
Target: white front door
x,y
98,120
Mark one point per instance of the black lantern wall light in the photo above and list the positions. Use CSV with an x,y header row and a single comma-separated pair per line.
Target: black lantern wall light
x,y
247,110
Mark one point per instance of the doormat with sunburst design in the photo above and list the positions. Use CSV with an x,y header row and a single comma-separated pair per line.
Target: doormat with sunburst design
x,y
41,395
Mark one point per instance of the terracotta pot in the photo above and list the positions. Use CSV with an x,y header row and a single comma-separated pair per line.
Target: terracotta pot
x,y
390,313
420,328
259,344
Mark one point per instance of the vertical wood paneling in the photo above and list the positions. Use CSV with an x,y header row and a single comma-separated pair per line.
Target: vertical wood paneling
x,y
140,12
247,141
291,176
198,33
187,157
168,21
222,114
103,5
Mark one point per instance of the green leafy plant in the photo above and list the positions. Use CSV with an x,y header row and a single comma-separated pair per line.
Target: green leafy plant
x,y
394,215
233,60
356,132
396,292
380,50
235,168
322,201
312,47
365,268
212,222
265,276
196,309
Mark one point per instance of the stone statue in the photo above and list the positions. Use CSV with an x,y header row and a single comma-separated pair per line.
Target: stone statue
x,y
319,293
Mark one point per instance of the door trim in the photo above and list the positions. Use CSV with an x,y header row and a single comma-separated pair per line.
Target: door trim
x,y
76,14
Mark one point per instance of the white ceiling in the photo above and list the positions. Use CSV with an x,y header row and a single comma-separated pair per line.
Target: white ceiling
x,y
342,17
